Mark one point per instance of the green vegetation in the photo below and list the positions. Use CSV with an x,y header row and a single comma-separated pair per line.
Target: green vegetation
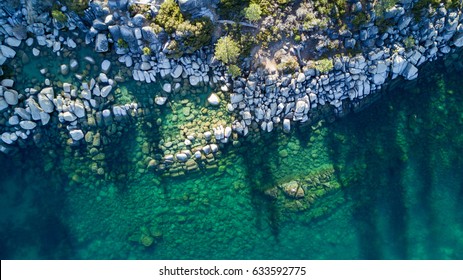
x,y
360,19
324,65
253,12
169,16
336,9
288,65
409,42
266,6
141,9
381,6
195,34
122,44
59,16
234,70
265,36
77,6
422,5
146,51
227,50
188,35
231,8
174,50
310,21
156,28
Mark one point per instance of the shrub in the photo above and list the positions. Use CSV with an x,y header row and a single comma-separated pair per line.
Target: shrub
x,y
234,70
146,51
140,9
334,8
59,16
230,8
77,6
169,16
174,50
267,6
122,44
288,65
196,34
409,42
227,50
419,6
360,19
253,12
324,65
381,6
156,28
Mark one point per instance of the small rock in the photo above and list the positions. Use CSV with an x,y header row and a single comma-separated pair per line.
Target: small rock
x,y
6,138
213,99
27,125
11,97
181,157
7,51
101,43
64,69
300,78
79,109
214,148
177,72
67,87
13,120
74,65
286,125
167,87
35,52
69,117
7,83
76,134
160,100
194,80
105,91
105,66
45,96
71,43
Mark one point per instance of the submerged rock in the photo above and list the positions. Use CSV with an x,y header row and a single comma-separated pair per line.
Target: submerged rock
x,y
292,189
76,134
105,66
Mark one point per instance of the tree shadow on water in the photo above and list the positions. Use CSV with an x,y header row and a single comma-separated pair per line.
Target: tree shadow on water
x,y
259,176
369,166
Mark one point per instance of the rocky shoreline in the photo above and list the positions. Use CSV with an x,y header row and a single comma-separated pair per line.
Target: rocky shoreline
x,y
264,100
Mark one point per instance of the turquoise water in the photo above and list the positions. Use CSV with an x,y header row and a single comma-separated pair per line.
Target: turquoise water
x,y
385,183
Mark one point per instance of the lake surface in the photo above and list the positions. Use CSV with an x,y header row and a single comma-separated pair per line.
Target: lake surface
x,y
386,183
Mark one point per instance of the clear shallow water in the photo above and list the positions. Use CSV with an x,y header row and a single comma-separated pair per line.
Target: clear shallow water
x,y
387,184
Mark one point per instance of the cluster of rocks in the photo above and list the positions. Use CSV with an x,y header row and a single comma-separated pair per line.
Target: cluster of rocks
x,y
144,51
194,68
271,99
